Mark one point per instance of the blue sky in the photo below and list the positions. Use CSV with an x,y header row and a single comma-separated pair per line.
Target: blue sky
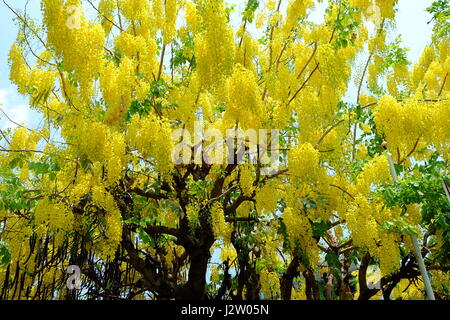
x,y
411,25
12,103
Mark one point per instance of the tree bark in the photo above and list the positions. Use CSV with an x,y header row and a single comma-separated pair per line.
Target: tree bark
x,y
288,279
197,273
312,288
364,292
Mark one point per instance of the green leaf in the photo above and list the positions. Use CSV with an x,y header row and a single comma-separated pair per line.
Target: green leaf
x,y
133,220
145,238
332,259
320,228
39,167
5,256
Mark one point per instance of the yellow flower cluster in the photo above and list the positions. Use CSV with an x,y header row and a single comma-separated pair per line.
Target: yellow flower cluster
x,y
169,27
408,123
304,163
270,242
95,141
117,158
270,284
117,87
296,10
440,280
384,8
113,232
388,253
89,138
364,220
378,42
260,20
228,252
299,293
135,10
359,218
81,187
192,17
80,43
246,179
220,228
308,119
374,71
192,214
413,214
37,81
152,137
18,68
173,251
430,75
271,4
333,67
16,240
387,8
375,171
299,231
55,15
406,290
215,275
267,199
244,209
244,99
248,52
421,67
214,48
142,50
24,140
106,10
57,216
186,100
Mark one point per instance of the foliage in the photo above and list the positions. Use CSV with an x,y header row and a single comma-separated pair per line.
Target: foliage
x,y
96,184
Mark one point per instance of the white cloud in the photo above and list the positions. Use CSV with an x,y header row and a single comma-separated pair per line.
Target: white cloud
x,y
12,104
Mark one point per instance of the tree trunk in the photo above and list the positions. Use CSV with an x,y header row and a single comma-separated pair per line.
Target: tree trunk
x,y
288,279
197,273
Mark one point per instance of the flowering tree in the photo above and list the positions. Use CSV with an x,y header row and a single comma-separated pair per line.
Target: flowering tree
x,y
97,187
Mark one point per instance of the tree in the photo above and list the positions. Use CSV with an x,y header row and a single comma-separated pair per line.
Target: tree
x,y
100,187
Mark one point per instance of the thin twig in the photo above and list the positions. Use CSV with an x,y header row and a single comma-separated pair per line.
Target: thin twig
x,y
103,16
443,85
343,190
24,22
411,152
304,84
162,61
362,77
327,132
